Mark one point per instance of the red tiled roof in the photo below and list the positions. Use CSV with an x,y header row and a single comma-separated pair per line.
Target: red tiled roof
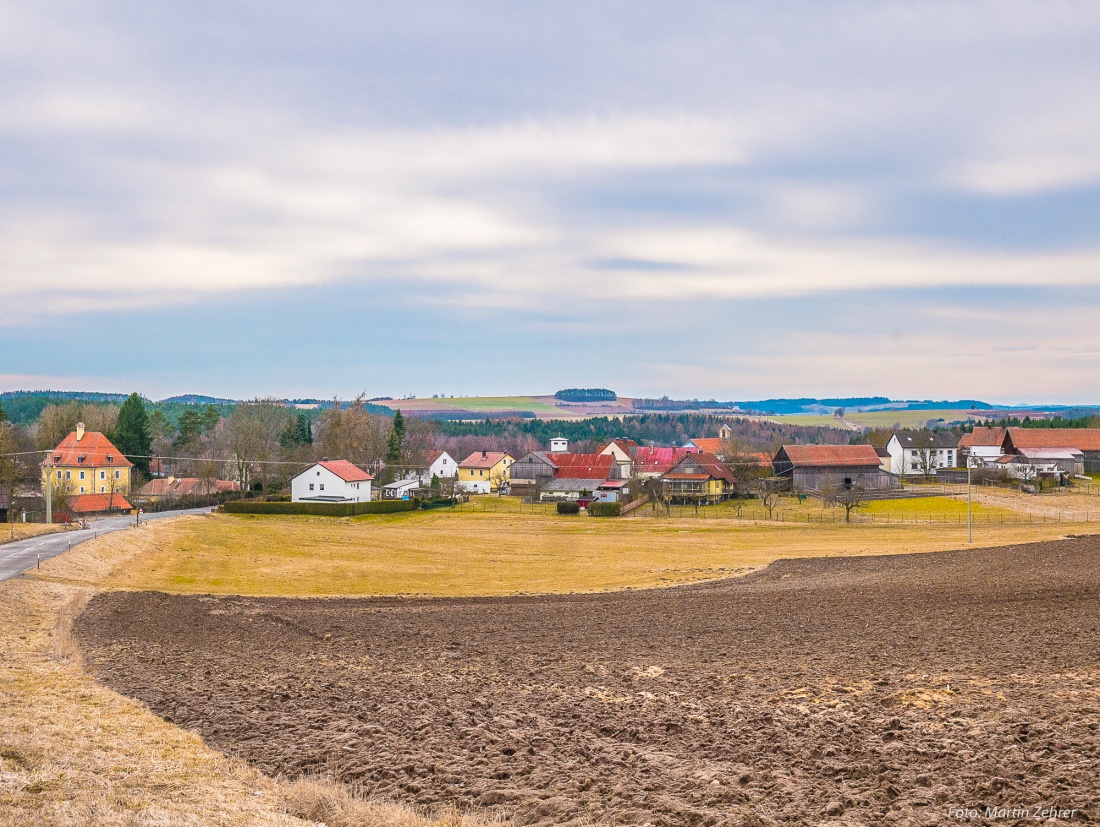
x,y
185,487
712,445
94,503
983,436
824,455
658,460
1083,439
482,459
94,447
345,470
582,466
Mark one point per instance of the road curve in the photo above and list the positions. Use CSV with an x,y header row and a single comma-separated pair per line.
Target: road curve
x,y
18,557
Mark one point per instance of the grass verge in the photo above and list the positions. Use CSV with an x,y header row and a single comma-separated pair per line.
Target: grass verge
x,y
75,754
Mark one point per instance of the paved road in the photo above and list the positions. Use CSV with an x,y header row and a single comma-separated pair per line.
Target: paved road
x,y
17,557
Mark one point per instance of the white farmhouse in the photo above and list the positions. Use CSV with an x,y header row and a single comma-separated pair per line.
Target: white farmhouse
x,y
436,464
921,452
331,481
983,446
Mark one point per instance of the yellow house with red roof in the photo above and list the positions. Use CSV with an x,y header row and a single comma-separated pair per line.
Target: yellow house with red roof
x,y
484,471
86,462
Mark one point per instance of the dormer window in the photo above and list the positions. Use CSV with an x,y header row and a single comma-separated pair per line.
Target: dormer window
x,y
110,458
80,459
57,457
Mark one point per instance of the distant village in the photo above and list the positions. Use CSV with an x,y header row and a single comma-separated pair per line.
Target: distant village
x,y
86,474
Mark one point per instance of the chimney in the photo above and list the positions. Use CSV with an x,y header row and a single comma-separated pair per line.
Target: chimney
x,y
484,454
79,431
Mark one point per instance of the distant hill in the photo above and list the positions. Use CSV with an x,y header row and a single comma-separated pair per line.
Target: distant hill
x,y
198,399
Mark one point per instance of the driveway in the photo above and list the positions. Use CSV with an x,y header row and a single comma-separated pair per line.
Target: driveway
x,y
18,557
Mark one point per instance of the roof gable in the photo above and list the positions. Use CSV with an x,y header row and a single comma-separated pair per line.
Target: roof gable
x,y
345,470
95,449
483,459
829,455
1083,439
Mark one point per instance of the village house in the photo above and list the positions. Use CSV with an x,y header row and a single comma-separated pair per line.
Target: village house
x,y
623,451
698,478
921,452
86,462
400,489
815,467
331,481
982,446
430,464
484,471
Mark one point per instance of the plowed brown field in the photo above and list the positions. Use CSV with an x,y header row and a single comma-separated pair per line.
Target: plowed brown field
x,y
851,690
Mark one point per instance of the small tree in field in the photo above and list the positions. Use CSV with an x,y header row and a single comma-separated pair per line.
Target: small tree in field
x,y
848,497
768,492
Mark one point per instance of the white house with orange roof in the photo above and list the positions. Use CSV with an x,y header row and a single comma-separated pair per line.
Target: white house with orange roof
x,y
331,481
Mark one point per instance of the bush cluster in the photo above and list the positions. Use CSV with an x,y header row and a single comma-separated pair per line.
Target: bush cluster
x,y
319,509
604,509
569,508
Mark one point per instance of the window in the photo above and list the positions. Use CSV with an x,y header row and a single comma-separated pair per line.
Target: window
x,y
68,475
480,473
322,486
118,475
103,475
102,489
311,486
82,489
82,475
59,475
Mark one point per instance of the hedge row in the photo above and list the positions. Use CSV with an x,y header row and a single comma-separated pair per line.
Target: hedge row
x,y
604,509
319,509
426,505
569,508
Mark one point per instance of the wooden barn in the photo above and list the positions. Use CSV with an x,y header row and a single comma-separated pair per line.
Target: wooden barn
x,y
813,467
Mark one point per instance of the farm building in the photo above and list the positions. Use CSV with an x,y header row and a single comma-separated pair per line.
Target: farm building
x,y
698,478
813,467
484,471
174,488
1084,440
530,474
87,505
331,481
1028,463
656,462
921,452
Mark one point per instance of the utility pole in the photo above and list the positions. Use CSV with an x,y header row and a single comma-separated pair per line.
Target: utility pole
x,y
969,504
49,490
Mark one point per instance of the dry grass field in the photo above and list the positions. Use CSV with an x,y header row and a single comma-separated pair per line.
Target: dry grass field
x,y
508,551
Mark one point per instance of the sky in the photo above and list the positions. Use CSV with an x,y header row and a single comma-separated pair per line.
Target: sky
x,y
706,200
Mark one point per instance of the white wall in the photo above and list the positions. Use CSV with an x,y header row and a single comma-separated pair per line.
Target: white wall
x,y
327,487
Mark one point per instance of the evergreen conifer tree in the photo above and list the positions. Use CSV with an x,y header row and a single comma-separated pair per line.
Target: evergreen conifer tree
x,y
132,433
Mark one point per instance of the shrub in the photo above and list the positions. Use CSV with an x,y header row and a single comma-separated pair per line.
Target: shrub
x,y
569,508
426,505
318,509
604,509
